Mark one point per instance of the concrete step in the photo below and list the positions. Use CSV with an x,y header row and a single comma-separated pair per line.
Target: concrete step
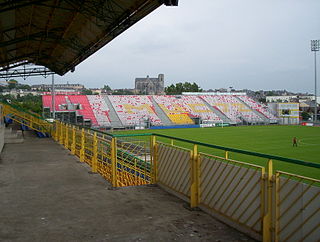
x,y
114,119
217,112
161,114
13,140
262,117
13,136
8,130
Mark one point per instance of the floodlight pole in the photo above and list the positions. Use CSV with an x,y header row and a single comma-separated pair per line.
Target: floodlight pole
x,y
53,99
315,46
315,86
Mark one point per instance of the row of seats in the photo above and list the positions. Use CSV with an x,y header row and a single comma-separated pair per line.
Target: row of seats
x,y
59,101
180,118
233,108
134,109
80,101
191,105
100,110
85,107
256,106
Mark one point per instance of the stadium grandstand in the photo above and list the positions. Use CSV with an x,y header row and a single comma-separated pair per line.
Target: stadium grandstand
x,y
232,107
107,111
260,108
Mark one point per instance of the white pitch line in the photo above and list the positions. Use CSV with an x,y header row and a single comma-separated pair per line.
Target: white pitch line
x,y
300,141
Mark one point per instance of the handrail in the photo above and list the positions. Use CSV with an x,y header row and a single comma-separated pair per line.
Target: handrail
x,y
22,110
245,152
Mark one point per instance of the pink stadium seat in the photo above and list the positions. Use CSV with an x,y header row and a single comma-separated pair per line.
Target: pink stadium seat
x,y
85,110
59,102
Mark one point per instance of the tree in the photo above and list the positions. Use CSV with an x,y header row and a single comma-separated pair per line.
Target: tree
x,y
180,87
86,92
23,86
262,100
12,86
106,87
305,115
28,102
122,92
270,93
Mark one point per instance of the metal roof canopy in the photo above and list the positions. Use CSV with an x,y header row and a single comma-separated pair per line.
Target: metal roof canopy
x,y
60,34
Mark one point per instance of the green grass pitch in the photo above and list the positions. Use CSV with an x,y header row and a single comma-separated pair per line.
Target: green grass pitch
x,y
274,140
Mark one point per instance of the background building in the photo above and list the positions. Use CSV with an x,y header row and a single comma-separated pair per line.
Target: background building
x,y
288,113
45,87
150,86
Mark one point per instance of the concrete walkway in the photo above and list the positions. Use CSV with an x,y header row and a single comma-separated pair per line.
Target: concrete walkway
x,y
47,195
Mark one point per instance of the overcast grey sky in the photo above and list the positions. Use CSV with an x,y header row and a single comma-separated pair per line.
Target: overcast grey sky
x,y
254,44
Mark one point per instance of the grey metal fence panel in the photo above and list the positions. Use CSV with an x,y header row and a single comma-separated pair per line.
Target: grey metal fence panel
x,y
174,168
232,190
298,207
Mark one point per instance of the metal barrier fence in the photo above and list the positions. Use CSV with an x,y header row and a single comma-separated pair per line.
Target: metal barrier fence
x,y
234,190
122,161
25,118
266,203
297,207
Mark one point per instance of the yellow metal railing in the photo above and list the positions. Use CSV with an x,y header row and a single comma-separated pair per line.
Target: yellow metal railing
x,y
121,162
30,120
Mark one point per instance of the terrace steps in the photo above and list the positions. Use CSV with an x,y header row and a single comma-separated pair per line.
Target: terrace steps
x,y
114,119
264,118
161,114
217,112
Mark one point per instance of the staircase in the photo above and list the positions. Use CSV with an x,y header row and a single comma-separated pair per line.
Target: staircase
x,y
114,119
161,114
218,112
263,118
24,117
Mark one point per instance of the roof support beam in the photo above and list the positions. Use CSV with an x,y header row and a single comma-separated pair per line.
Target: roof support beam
x,y
16,4
119,25
14,65
33,36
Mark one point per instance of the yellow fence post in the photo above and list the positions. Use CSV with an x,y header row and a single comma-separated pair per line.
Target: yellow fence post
x,y
61,133
172,142
66,141
114,161
154,154
54,130
94,166
57,131
73,145
227,155
195,172
55,135
267,220
82,150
